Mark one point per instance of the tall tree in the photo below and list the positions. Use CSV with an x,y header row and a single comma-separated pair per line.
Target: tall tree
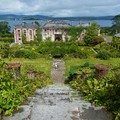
x,y
4,27
116,23
74,32
91,33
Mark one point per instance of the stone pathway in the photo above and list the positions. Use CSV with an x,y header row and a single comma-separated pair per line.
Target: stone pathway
x,y
59,102
58,71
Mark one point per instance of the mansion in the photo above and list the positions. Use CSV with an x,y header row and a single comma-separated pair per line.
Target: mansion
x,y
53,30
28,30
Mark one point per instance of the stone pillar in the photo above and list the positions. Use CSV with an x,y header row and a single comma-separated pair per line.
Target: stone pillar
x,y
16,69
101,71
31,75
40,75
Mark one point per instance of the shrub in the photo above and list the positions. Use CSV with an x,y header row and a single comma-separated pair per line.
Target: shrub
x,y
103,54
98,40
82,54
57,52
26,54
7,40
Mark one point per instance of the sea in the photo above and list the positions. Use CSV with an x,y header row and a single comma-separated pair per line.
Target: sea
x,y
102,23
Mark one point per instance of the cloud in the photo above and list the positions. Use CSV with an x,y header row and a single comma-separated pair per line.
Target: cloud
x,y
61,7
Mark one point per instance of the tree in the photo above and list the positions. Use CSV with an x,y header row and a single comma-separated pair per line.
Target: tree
x,y
116,23
74,32
23,38
39,35
37,23
97,40
4,27
91,33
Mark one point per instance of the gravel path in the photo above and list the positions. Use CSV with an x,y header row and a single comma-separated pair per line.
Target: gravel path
x,y
59,102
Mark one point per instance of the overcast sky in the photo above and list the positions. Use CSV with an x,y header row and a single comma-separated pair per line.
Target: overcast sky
x,y
61,8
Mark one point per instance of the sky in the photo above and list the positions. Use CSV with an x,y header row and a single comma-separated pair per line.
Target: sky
x,y
61,8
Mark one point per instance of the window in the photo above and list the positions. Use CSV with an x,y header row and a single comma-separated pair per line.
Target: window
x,y
19,33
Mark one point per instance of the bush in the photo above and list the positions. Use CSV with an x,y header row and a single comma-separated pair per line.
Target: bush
x,y
7,40
58,49
26,54
98,40
82,54
57,52
103,54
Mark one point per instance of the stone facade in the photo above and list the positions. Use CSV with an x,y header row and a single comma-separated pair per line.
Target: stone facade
x,y
29,31
55,31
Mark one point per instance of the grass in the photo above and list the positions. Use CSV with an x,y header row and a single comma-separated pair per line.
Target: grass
x,y
77,62
40,64
43,64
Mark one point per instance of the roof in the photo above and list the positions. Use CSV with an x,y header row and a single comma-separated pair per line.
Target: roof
x,y
26,25
56,24
117,35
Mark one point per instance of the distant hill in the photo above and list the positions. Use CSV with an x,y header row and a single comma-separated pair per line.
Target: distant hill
x,y
87,18
37,17
12,16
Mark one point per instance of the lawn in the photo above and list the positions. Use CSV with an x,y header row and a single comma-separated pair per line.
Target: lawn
x,y
40,64
43,64
77,62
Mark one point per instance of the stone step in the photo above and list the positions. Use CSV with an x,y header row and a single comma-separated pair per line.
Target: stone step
x,y
24,114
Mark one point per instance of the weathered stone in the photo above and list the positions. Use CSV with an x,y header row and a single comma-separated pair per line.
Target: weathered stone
x,y
31,75
16,69
40,75
24,115
101,70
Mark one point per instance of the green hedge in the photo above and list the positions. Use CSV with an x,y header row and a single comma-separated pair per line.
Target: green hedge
x,y
7,40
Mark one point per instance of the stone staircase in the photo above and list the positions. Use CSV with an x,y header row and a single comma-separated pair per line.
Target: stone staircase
x,y
59,102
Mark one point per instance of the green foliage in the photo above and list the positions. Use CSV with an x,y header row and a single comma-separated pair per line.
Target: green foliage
x,y
116,23
14,92
7,38
97,40
24,38
4,27
104,92
57,48
91,33
74,32
39,35
30,54
114,53
103,54
5,50
107,31
82,54
79,70
61,49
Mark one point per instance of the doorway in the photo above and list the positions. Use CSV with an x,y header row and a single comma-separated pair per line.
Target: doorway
x,y
58,37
